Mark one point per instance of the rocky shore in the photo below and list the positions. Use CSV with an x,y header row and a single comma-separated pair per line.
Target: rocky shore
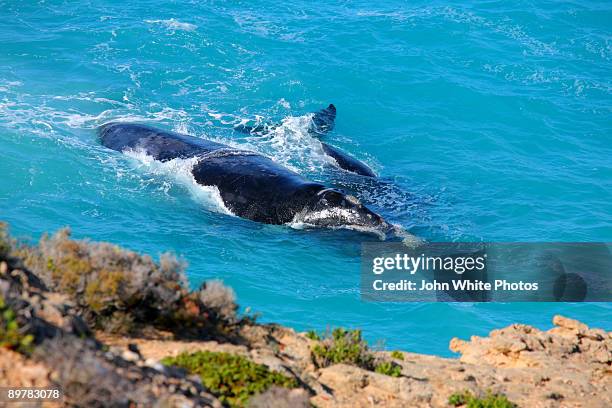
x,y
159,344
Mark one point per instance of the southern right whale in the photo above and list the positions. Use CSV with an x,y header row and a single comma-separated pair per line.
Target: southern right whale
x,y
251,185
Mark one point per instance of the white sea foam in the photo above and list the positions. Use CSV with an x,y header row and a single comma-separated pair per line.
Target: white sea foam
x,y
289,143
292,145
174,25
509,30
179,171
284,103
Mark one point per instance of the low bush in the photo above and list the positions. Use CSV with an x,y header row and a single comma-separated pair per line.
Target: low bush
x,y
219,299
12,336
230,377
118,290
343,346
389,368
347,347
107,281
490,400
397,354
312,335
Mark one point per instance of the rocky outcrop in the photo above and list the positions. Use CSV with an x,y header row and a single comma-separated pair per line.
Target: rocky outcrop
x,y
570,343
567,366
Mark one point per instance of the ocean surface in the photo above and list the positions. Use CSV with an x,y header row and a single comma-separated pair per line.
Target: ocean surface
x,y
487,121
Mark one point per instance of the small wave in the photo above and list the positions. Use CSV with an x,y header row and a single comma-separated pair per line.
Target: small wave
x,y
88,121
512,31
174,25
260,26
284,103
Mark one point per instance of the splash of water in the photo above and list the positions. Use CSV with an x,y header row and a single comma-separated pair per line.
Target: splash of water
x,y
179,171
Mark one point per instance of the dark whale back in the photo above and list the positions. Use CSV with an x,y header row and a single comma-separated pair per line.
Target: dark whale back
x,y
255,187
162,145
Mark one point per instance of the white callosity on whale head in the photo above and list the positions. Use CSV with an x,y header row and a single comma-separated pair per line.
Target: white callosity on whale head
x,y
335,210
333,218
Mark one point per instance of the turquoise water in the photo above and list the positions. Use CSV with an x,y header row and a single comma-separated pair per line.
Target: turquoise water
x,y
490,121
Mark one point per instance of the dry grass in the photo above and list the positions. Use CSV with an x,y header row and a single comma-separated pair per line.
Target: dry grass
x,y
219,299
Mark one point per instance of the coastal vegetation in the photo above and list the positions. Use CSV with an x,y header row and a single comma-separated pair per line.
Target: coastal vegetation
x,y
230,377
388,368
120,291
312,335
344,346
5,244
489,400
12,335
111,327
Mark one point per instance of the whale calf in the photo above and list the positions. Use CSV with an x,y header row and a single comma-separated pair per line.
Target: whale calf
x,y
251,185
322,122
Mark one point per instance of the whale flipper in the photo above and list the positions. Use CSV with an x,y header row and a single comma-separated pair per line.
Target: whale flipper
x,y
322,122
347,162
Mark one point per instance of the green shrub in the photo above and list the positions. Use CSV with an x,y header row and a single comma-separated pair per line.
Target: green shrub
x,y
397,354
389,368
11,335
103,275
343,346
490,400
230,377
459,398
347,347
312,335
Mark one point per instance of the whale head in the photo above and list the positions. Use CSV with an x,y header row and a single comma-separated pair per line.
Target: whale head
x,y
334,209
